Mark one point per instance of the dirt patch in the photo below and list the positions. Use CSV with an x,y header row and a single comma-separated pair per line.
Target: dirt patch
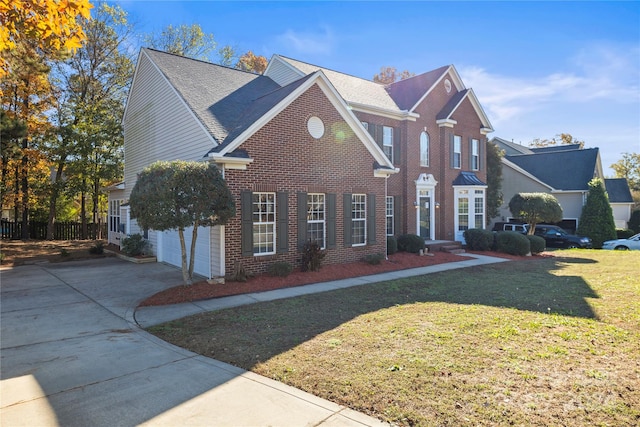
x,y
264,282
19,252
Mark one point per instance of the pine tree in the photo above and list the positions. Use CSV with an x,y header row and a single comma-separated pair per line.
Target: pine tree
x,y
596,220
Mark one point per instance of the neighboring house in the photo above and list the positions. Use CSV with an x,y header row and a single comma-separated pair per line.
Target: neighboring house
x,y
308,153
563,171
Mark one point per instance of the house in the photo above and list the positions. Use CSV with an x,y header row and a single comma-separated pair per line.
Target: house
x,y
309,154
563,171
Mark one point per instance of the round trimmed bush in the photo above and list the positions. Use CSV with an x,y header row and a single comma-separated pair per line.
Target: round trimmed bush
x,y
410,243
478,239
537,244
512,243
392,245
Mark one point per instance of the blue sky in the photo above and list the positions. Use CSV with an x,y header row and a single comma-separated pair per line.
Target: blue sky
x,y
538,68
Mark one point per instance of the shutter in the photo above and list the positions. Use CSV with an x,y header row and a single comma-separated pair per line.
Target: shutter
x,y
397,215
371,219
246,214
371,128
396,146
302,219
346,210
331,221
379,136
481,153
282,222
451,165
471,154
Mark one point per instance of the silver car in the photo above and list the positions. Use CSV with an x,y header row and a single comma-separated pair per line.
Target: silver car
x,y
632,243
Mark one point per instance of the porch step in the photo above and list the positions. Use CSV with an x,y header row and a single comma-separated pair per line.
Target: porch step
x,y
444,246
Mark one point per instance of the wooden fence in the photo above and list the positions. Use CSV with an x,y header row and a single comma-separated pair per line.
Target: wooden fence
x,y
63,230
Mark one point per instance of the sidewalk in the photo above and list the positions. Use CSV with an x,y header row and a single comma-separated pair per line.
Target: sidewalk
x,y
150,316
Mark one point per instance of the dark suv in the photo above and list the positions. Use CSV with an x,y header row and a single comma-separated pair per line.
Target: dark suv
x,y
556,237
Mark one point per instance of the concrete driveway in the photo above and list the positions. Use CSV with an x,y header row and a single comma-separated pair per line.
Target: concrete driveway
x,y
71,355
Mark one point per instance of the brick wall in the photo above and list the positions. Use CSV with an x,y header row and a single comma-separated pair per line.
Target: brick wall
x,y
287,159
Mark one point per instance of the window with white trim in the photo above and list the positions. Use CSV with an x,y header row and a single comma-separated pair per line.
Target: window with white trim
x,y
463,212
387,141
424,149
475,154
479,208
264,223
316,224
389,215
457,151
358,219
114,215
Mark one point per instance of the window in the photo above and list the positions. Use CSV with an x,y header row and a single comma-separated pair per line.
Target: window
x,y
475,154
463,213
114,216
457,152
358,219
389,215
387,141
264,223
424,149
479,208
316,225
365,125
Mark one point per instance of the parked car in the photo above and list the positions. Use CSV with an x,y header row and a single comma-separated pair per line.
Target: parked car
x,y
511,226
558,238
632,242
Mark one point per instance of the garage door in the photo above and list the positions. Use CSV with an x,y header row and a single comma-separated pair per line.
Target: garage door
x,y
169,249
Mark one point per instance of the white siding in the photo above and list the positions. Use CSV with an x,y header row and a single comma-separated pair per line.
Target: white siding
x,y
158,125
217,251
621,214
571,204
281,73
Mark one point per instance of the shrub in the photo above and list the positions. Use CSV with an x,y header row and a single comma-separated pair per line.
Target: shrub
x,y
280,269
97,249
596,219
135,245
374,259
312,256
537,244
512,243
624,233
392,245
410,243
478,239
634,221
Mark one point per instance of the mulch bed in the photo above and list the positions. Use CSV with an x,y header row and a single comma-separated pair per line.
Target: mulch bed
x,y
264,282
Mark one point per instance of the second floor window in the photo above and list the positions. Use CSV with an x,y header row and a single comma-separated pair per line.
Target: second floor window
x,y
457,152
475,154
424,149
387,141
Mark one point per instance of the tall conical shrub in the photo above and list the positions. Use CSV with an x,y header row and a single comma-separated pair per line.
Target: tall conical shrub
x,y
596,220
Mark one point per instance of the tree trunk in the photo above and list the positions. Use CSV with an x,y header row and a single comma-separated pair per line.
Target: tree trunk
x,y
83,211
183,250
16,202
95,199
53,200
25,191
194,236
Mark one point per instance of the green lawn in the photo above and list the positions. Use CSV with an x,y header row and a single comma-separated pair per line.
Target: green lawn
x,y
547,341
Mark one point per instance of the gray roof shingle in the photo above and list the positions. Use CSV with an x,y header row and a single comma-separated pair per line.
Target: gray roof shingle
x,y
352,89
618,190
406,93
467,178
450,106
562,170
217,95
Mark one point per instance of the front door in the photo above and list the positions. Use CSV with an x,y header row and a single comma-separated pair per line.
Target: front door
x,y
425,217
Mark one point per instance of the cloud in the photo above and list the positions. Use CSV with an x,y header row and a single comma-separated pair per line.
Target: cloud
x,y
311,43
600,73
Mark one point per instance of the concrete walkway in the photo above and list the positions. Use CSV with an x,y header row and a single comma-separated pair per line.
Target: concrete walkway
x,y
74,355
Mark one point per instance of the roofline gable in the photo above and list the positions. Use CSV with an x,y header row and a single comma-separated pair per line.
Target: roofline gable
x,y
336,100
457,81
143,51
470,94
277,58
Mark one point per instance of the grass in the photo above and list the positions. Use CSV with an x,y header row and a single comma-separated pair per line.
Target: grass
x,y
553,341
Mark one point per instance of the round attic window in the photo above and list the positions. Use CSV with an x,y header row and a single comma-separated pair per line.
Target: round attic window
x,y
447,85
315,127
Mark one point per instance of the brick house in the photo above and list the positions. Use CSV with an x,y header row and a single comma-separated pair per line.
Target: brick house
x,y
308,153
434,130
